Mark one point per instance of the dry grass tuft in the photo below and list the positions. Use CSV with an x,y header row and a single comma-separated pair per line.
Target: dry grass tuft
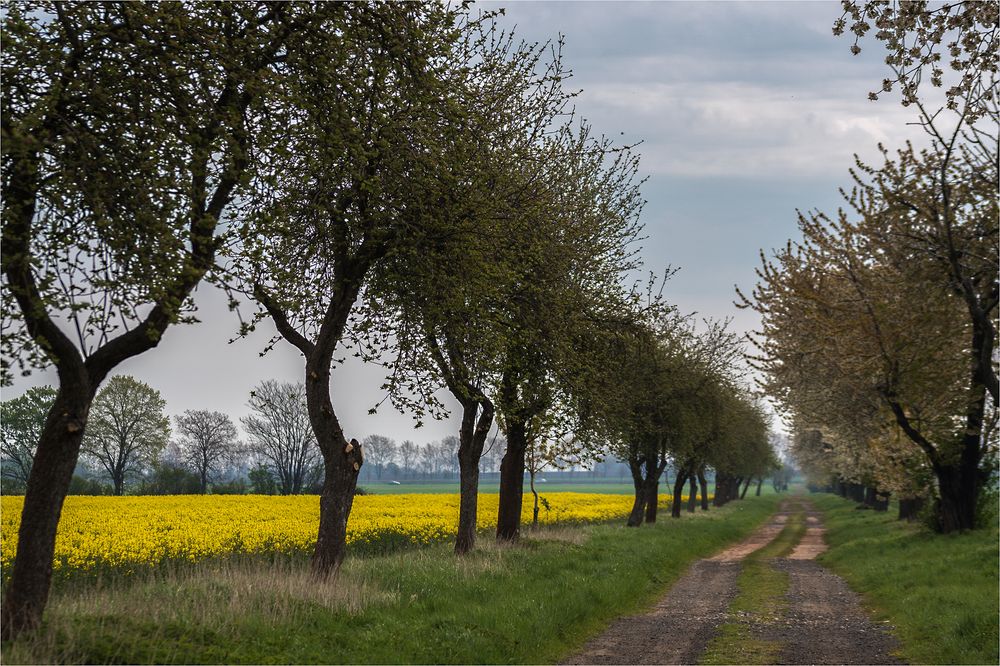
x,y
212,597
214,594
571,534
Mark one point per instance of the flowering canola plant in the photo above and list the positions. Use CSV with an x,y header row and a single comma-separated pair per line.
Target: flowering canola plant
x,y
126,533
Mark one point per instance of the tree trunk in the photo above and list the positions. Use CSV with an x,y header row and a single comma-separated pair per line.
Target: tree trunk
x,y
51,473
468,508
470,452
512,483
959,483
679,482
703,482
342,461
956,508
639,503
335,503
721,489
909,508
760,482
692,493
746,486
534,508
652,497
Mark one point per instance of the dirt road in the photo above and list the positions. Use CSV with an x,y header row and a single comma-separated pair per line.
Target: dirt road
x,y
823,622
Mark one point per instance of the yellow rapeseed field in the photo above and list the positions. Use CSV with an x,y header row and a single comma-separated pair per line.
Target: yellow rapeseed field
x,y
126,533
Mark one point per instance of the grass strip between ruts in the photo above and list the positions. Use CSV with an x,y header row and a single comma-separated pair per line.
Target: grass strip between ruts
x,y
760,600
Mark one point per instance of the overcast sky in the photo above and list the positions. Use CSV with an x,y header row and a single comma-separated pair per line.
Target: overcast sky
x,y
746,111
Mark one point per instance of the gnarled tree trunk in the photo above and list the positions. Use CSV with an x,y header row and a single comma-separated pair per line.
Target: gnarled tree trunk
x,y
51,473
639,502
909,507
652,496
512,483
470,451
679,482
704,488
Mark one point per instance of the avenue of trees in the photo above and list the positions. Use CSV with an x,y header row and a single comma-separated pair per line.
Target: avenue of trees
x,y
879,328
400,181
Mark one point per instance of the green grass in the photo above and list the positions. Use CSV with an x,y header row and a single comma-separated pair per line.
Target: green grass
x,y
939,591
760,599
531,603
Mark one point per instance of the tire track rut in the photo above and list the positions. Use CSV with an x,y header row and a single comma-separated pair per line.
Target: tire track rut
x,y
823,624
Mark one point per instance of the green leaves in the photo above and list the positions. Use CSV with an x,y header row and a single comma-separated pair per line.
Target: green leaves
x,y
128,131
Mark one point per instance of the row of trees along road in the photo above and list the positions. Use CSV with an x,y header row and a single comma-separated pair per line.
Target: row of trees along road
x,y
667,393
879,329
404,182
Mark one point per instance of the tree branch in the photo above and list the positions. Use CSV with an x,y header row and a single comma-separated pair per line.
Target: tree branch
x,y
281,322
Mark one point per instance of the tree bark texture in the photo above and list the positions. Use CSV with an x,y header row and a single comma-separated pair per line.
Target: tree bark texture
x,y
721,489
956,507
55,459
703,482
472,438
679,483
639,502
909,508
652,497
342,461
692,493
512,483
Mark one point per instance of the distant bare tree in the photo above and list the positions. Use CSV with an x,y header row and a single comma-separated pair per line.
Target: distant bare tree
x,y
408,452
209,442
448,452
493,452
280,435
428,458
380,451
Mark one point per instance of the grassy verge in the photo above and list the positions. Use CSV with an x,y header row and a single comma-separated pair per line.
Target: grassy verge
x,y
531,603
939,591
760,599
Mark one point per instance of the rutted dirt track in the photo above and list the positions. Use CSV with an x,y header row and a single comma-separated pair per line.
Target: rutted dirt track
x,y
824,624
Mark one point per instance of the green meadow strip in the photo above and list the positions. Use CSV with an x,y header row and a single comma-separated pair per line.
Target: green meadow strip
x,y
938,590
